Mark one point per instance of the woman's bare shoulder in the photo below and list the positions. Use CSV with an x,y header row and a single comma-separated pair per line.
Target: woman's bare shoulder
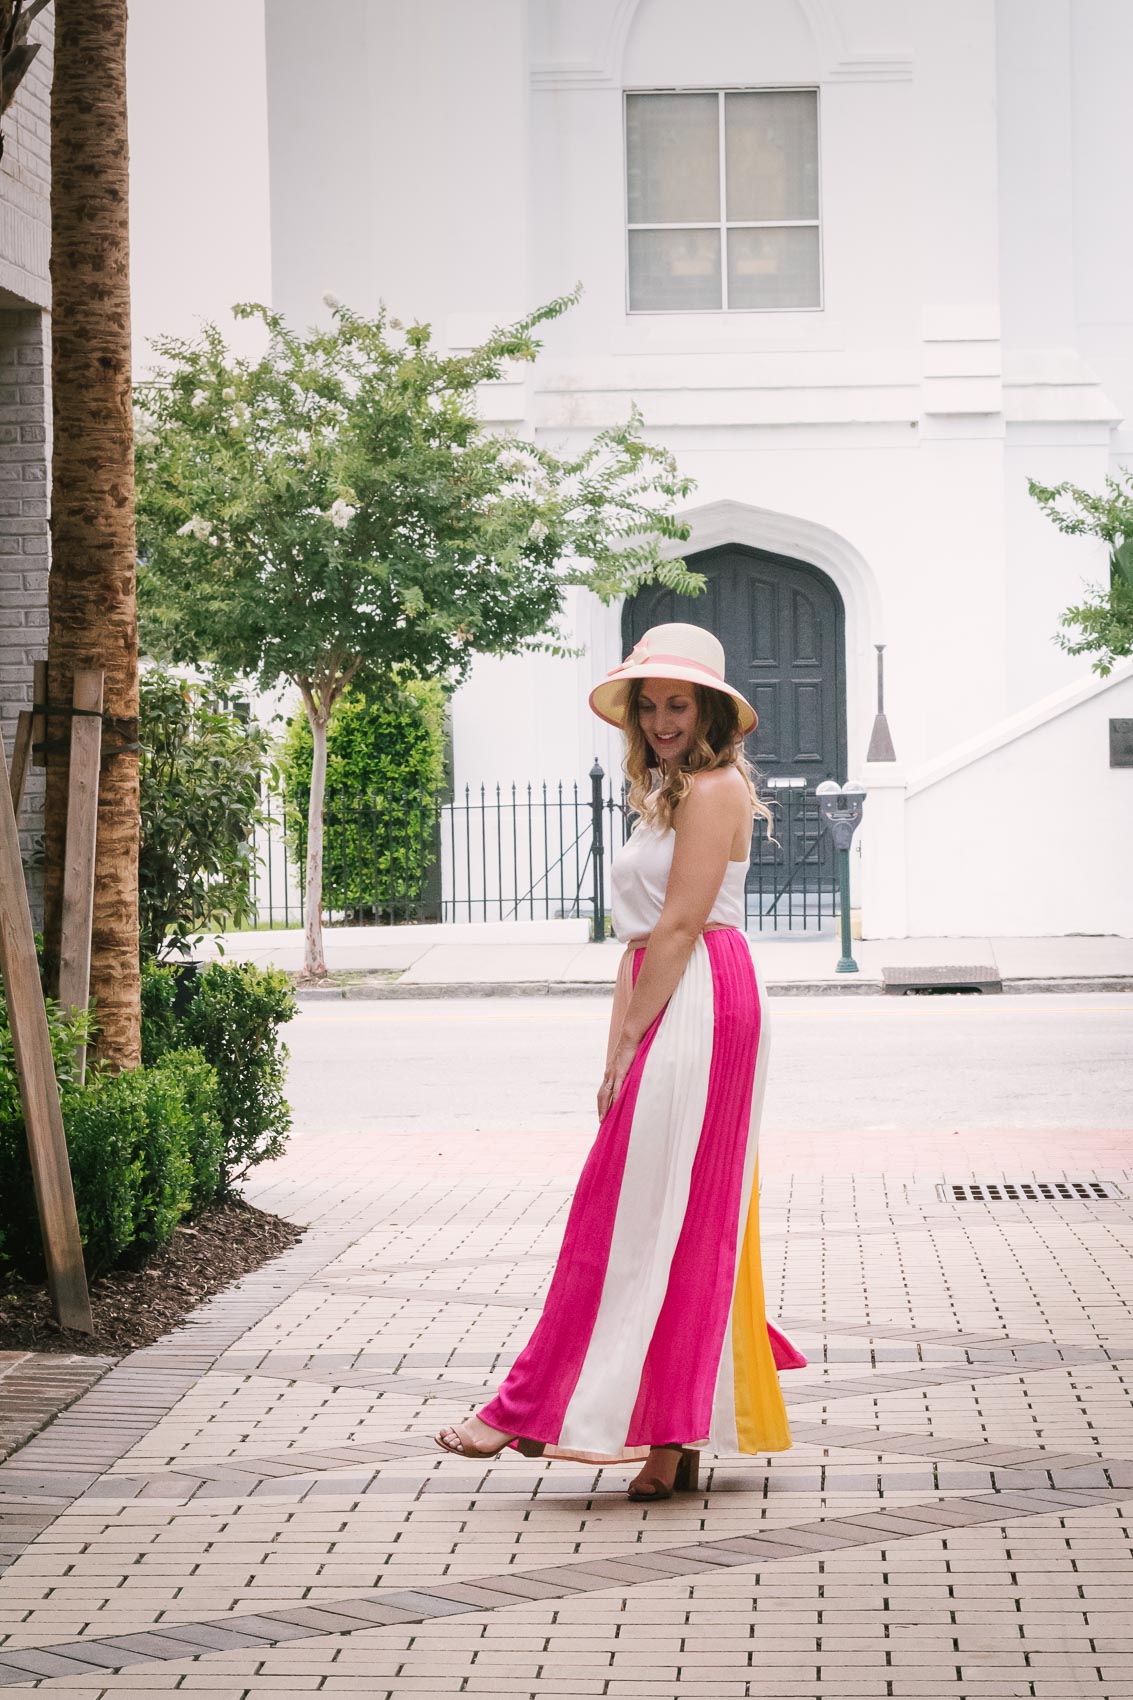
x,y
719,782
713,791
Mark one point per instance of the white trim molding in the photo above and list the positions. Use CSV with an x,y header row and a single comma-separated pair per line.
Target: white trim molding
x,y
838,62
718,523
1017,726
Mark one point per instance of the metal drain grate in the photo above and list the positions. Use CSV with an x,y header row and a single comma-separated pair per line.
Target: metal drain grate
x,y
905,982
1015,1192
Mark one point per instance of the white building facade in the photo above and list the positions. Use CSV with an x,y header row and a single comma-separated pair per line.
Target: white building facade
x,y
864,267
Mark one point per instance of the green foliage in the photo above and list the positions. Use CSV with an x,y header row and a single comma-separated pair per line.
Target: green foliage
x,y
338,510
159,1015
145,1147
391,742
107,1132
232,1018
1104,621
200,784
67,1030
385,766
18,1220
200,1099
153,1144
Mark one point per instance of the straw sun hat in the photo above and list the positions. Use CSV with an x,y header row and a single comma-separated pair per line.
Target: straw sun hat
x,y
669,652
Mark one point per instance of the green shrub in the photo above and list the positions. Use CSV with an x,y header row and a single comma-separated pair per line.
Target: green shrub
x,y
19,1228
385,768
151,1145
232,1016
200,776
200,1096
145,1148
107,1135
159,1021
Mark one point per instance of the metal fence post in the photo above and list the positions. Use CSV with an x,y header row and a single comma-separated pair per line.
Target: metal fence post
x,y
597,849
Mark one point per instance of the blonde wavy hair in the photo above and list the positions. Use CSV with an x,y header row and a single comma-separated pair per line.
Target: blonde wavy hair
x,y
718,742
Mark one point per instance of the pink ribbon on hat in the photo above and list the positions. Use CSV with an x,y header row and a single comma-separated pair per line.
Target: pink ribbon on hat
x,y
641,654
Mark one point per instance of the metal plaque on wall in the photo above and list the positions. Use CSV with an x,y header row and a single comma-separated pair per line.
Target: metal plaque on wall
x,y
1121,743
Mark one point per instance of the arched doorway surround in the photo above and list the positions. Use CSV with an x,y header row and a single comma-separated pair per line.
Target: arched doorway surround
x,y
782,625
718,524
825,558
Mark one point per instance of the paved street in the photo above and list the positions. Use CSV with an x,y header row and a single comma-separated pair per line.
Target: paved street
x,y
866,1065
253,1507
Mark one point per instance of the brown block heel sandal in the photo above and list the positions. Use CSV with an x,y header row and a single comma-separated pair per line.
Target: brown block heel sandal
x,y
686,1480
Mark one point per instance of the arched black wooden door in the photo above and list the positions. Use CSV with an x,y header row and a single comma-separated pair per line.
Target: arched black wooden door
x,y
782,627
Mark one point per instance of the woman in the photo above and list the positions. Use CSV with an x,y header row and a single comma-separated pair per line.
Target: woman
x,y
653,1339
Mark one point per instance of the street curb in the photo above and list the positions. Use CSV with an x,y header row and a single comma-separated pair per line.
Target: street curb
x,y
396,991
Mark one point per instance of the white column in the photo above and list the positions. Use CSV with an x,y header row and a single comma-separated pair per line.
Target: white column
x,y
883,874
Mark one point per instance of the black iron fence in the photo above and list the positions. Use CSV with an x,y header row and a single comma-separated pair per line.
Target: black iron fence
x,y
516,852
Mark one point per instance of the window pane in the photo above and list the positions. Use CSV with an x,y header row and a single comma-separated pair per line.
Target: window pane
x,y
673,269
771,147
673,158
773,268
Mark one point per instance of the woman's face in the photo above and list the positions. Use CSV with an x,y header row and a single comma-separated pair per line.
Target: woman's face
x,y
667,712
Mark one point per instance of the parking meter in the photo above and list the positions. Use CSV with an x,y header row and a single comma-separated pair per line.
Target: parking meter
x,y
840,810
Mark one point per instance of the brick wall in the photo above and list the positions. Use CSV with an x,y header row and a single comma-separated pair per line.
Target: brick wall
x,y
25,180
24,375
25,407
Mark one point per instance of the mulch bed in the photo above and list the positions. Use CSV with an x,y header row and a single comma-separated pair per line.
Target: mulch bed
x,y
135,1307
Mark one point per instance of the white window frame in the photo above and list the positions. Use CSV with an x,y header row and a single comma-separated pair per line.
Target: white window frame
x,y
723,224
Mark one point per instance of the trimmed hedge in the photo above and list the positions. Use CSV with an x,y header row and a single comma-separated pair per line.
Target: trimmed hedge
x,y
145,1150
19,1230
385,770
232,1015
151,1146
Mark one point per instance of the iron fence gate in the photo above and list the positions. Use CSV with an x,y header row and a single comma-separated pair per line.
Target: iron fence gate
x,y
516,852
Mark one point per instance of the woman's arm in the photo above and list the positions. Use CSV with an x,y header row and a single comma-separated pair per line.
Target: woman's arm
x,y
623,989
705,827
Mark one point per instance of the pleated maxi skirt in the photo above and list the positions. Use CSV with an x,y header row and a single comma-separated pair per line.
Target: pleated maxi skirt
x,y
654,1329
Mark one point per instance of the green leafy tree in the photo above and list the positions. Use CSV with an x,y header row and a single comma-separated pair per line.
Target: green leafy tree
x,y
385,766
200,789
337,511
1102,625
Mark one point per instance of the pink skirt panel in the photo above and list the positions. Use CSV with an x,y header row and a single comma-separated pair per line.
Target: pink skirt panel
x,y
533,1398
678,1380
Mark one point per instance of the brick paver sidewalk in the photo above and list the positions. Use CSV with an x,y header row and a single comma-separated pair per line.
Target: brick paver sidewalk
x,y
254,1506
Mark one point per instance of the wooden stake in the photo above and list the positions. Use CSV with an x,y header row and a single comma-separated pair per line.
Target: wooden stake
x,y
21,751
78,862
39,1092
39,718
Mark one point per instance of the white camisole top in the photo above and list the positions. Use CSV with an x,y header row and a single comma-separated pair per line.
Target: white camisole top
x,y
639,874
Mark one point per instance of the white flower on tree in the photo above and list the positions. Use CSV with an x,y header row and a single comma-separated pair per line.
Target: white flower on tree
x,y
198,528
331,300
228,394
538,531
517,460
340,513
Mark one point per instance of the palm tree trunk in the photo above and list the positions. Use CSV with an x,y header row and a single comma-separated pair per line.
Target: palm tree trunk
x,y
91,594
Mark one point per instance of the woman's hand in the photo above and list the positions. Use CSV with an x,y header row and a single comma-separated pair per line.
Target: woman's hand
x,y
621,1060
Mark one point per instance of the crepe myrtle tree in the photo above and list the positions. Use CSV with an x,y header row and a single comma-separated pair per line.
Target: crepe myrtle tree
x,y
1104,621
337,512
